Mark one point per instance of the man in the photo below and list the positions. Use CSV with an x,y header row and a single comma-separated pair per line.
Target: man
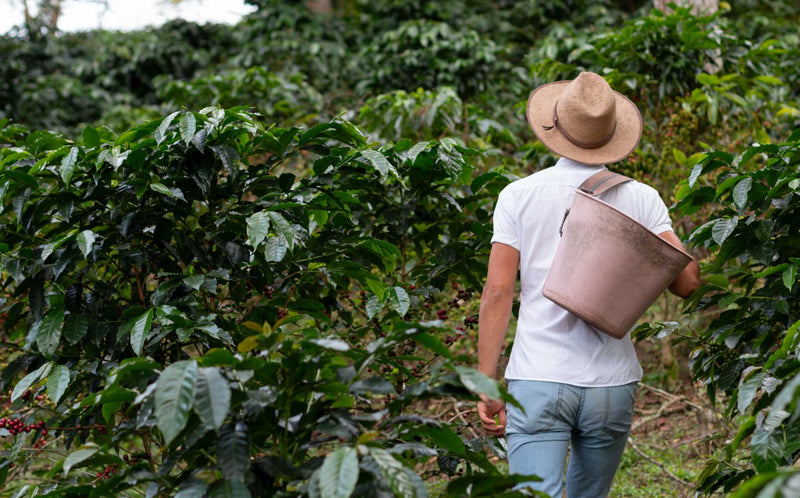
x,y
576,384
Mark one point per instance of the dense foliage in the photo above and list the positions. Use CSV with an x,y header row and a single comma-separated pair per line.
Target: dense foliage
x,y
244,260
189,297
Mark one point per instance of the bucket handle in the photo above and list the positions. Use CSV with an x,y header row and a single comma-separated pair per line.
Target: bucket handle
x,y
596,185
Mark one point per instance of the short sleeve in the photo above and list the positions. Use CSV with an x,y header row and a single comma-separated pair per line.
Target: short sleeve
x,y
658,219
505,226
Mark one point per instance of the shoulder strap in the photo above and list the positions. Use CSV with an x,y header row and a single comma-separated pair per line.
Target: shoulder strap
x,y
602,181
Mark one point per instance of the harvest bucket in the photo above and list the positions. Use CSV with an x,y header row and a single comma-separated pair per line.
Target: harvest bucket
x,y
609,268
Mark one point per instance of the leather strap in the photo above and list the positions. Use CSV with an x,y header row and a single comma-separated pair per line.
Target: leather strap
x,y
602,181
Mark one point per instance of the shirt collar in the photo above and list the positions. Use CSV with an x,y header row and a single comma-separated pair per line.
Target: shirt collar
x,y
563,162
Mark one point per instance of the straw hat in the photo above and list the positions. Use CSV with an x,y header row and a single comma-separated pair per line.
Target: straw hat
x,y
585,120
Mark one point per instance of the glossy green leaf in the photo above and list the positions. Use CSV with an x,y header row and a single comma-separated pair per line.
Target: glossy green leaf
x,y
212,397
478,382
75,328
339,473
78,456
48,332
230,489
161,132
740,192
140,328
57,382
85,241
275,249
257,228
175,193
399,300
233,451
789,276
187,126
394,472
378,161
32,378
193,488
174,397
373,306
282,227
68,165
723,228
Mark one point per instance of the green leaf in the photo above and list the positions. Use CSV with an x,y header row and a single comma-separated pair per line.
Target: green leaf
x,y
766,449
374,306
161,132
77,457
275,249
697,170
233,451
194,282
174,397
723,228
187,126
740,193
175,193
68,165
212,399
378,161
394,472
399,300
90,137
478,382
85,241
48,333
57,382
416,149
789,276
282,227
717,280
748,388
75,328
29,380
770,80
230,489
339,473
140,327
257,228
193,488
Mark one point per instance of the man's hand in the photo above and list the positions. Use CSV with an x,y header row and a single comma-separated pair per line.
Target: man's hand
x,y
493,416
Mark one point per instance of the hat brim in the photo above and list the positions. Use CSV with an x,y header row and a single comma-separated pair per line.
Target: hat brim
x,y
624,141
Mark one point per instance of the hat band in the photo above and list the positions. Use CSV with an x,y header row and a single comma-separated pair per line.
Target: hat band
x,y
573,140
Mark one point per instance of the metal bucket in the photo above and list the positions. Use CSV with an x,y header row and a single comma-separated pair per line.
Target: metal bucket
x,y
609,268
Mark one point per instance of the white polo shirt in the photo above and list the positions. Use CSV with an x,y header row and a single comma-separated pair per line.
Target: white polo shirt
x,y
550,344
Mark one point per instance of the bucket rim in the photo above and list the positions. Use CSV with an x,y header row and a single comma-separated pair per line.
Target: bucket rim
x,y
652,233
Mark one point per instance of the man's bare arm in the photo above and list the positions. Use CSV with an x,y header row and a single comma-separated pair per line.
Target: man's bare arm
x,y
495,310
689,279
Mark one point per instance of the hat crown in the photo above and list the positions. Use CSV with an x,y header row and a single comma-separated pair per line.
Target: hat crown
x,y
586,110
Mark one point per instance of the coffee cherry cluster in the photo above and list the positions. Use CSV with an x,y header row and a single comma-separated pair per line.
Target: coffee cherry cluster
x,y
470,321
16,426
108,471
450,339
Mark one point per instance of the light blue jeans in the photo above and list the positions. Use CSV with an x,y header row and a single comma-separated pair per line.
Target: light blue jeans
x,y
595,420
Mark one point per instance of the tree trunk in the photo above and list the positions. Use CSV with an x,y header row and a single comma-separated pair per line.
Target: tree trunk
x,y
320,6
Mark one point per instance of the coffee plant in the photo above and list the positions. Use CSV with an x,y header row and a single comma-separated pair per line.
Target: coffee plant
x,y
203,305
750,351
430,54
